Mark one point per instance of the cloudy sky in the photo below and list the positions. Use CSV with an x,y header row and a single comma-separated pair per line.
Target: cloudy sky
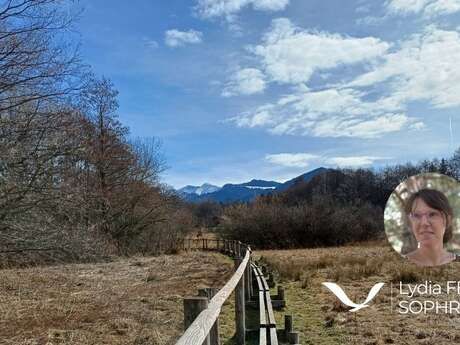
x,y
270,89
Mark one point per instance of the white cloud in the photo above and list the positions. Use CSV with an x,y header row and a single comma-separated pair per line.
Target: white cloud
x,y
406,6
291,55
425,68
303,160
330,113
229,8
371,127
246,81
262,117
440,7
292,160
371,20
353,161
176,38
428,8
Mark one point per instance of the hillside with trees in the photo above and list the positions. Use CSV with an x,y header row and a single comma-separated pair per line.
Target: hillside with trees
x,y
334,208
73,183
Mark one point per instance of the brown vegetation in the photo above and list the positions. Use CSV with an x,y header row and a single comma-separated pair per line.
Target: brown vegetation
x,y
322,319
128,302
334,208
72,184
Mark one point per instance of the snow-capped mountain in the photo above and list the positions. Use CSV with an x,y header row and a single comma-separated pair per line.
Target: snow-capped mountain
x,y
205,188
242,192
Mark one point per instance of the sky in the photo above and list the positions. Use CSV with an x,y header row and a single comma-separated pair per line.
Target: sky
x,y
271,89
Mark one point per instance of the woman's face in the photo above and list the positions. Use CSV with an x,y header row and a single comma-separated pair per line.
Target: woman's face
x,y
428,224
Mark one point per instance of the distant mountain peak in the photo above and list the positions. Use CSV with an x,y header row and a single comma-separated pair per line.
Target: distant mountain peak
x,y
242,192
205,188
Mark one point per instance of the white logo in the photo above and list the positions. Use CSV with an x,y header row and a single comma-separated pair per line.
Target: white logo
x,y
337,290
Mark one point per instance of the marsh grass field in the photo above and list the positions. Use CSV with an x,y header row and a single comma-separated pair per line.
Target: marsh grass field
x,y
322,319
138,301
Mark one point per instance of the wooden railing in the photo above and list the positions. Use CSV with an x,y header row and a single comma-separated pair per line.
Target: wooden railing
x,y
201,313
205,315
231,247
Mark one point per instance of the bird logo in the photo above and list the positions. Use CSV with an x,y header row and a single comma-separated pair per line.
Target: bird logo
x,y
342,296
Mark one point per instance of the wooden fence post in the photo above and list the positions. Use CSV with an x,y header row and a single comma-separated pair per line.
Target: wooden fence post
x,y
280,293
214,335
193,306
270,280
247,283
251,287
287,325
240,316
293,338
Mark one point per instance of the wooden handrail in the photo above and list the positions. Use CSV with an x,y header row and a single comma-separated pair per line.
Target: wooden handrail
x,y
197,332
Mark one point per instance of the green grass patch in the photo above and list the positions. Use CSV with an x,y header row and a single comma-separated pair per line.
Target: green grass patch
x,y
308,318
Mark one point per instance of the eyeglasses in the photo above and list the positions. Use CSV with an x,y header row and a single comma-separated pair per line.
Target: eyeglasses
x,y
432,216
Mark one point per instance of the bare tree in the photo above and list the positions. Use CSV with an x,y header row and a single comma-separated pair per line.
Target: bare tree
x,y
69,175
39,72
124,197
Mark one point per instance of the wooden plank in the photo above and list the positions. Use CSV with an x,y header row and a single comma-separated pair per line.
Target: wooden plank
x,y
263,336
268,305
199,329
264,282
273,337
262,308
259,283
240,318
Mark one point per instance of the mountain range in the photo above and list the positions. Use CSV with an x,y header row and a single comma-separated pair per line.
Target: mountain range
x,y
242,192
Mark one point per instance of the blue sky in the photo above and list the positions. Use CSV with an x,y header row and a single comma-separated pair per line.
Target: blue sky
x,y
270,89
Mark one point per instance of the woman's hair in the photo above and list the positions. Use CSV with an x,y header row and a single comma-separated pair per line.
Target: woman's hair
x,y
437,200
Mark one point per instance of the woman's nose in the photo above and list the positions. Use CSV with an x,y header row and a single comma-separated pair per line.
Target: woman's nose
x,y
425,220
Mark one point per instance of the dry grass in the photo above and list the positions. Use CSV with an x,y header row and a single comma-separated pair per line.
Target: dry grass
x,y
322,319
138,301
134,301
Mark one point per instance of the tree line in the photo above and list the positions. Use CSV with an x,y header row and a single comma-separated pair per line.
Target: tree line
x,y
71,178
334,208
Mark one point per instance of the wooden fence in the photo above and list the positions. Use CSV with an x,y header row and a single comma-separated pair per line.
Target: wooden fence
x,y
201,312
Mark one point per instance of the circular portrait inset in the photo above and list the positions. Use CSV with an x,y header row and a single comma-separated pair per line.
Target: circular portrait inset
x,y
422,219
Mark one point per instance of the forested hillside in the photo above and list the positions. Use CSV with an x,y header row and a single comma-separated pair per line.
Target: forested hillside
x,y
334,208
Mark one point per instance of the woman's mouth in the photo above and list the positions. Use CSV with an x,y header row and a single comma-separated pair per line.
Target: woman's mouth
x,y
427,232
